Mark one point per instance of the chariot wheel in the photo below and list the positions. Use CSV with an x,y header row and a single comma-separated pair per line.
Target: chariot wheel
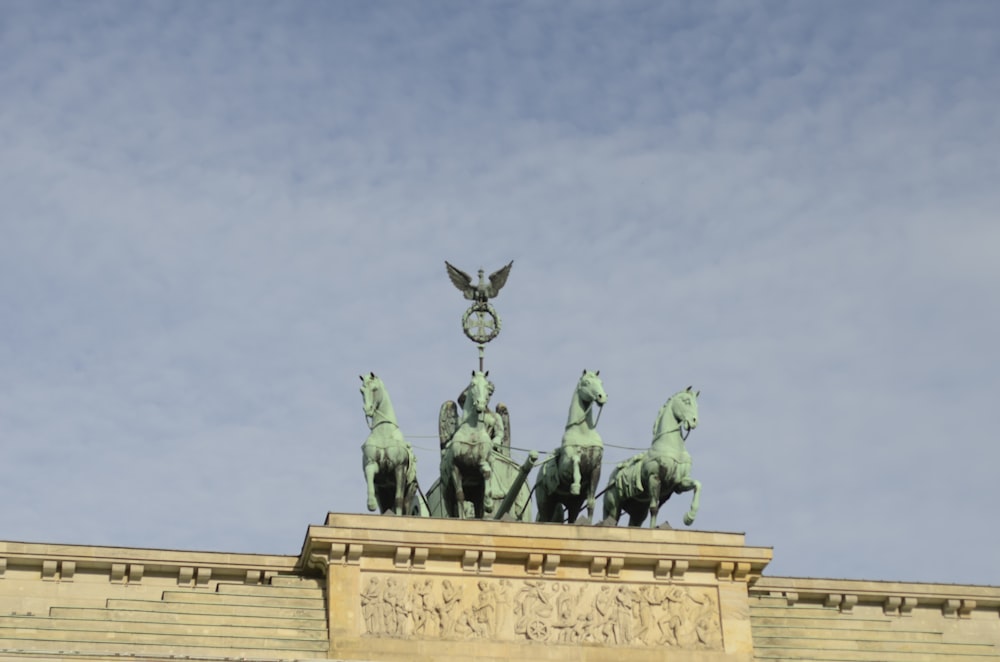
x,y
537,631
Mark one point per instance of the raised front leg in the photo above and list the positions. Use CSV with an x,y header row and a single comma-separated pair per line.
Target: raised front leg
x,y
484,466
370,470
691,484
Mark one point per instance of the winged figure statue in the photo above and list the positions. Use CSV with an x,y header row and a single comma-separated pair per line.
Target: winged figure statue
x,y
482,291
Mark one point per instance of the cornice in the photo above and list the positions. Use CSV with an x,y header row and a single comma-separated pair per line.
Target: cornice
x,y
897,598
478,545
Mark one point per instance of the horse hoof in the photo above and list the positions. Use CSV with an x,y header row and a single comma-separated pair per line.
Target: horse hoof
x,y
574,489
689,520
372,505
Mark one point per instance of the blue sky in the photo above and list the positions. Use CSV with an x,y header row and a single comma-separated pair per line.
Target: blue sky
x,y
215,216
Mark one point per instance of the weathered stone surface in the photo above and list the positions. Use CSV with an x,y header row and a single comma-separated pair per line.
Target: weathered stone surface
x,y
379,588
491,590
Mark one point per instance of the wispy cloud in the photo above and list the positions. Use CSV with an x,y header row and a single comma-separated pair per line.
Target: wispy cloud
x,y
216,217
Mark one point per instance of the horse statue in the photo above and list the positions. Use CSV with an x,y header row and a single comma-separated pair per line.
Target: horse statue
x,y
388,460
570,477
467,441
646,480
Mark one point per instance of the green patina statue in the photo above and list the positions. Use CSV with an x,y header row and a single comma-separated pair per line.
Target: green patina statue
x,y
570,477
388,460
645,481
481,322
466,452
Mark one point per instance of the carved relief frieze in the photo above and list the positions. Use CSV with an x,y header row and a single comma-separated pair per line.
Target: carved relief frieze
x,y
542,611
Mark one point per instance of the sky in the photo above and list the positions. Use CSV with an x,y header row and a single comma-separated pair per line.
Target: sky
x,y
215,216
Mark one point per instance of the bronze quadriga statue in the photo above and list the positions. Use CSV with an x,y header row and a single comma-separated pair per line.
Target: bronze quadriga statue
x,y
503,493
568,480
388,460
466,456
643,482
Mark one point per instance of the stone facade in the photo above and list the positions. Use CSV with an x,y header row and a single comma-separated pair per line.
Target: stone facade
x,y
370,587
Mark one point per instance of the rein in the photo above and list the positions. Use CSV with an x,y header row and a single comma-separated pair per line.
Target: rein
x,y
370,420
685,432
586,412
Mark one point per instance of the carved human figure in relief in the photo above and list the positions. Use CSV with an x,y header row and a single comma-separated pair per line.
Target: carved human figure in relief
x,y
625,601
604,606
371,606
484,614
532,605
454,619
425,611
503,596
397,608
566,619
707,625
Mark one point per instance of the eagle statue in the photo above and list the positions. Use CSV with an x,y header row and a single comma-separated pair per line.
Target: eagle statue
x,y
483,290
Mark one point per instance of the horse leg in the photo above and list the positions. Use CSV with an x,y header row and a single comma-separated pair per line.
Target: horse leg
x,y
456,477
574,489
479,504
636,514
691,484
544,503
612,509
371,468
595,478
654,498
400,487
572,507
484,462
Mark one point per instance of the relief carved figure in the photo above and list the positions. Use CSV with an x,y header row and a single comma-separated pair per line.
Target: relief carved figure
x,y
532,609
546,611
426,614
371,606
484,614
453,621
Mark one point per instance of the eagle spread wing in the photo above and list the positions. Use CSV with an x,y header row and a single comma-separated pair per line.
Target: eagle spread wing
x,y
462,280
498,279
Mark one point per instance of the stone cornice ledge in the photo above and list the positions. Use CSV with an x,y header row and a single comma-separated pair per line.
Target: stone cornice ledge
x,y
895,598
479,544
56,561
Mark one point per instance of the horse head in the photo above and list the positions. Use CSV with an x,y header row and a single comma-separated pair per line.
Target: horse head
x,y
684,407
371,393
477,394
591,389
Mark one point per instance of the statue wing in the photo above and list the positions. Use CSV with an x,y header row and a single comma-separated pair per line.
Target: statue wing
x,y
462,280
498,279
505,417
447,422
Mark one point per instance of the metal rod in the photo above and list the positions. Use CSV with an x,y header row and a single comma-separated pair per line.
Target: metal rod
x,y
515,487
